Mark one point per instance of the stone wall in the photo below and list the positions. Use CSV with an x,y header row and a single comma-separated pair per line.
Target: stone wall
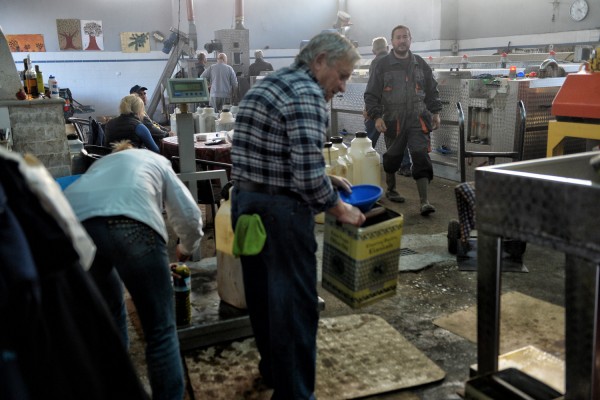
x,y
38,127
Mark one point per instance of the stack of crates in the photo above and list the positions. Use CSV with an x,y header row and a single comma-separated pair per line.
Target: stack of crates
x,y
360,264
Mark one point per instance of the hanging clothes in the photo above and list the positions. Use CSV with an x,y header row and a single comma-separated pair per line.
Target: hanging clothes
x,y
57,338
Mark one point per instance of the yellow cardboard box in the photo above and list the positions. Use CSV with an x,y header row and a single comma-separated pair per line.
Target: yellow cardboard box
x,y
360,264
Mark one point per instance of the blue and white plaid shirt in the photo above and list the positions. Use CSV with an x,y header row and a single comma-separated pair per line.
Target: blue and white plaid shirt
x,y
279,133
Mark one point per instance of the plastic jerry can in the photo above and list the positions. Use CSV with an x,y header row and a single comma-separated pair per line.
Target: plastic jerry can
x,y
230,282
330,154
209,120
366,165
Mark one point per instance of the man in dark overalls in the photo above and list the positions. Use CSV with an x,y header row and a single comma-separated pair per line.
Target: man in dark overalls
x,y
403,99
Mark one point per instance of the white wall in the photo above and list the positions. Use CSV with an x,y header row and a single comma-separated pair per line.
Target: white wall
x,y
283,24
101,78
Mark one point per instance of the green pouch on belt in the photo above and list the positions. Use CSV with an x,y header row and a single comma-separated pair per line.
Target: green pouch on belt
x,y
249,236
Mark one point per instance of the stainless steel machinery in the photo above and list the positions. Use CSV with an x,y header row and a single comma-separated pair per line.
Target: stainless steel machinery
x,y
490,105
491,115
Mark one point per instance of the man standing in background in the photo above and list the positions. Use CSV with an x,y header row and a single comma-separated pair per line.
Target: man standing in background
x,y
200,66
223,82
403,99
259,65
380,49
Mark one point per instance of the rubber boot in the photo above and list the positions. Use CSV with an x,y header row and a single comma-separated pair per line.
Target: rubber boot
x,y
391,194
426,208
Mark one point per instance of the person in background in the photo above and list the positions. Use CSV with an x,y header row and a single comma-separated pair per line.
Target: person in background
x,y
259,65
380,49
200,66
403,100
120,201
128,125
279,175
223,82
157,131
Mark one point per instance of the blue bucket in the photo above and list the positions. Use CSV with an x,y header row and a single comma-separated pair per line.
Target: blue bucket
x,y
362,196
65,181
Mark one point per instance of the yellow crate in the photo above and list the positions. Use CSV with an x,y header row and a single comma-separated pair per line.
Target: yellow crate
x,y
360,265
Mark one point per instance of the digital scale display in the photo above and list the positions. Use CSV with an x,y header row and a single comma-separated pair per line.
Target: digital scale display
x,y
187,90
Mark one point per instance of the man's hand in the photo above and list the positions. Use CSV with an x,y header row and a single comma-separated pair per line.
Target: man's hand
x,y
436,121
341,183
347,214
380,125
181,257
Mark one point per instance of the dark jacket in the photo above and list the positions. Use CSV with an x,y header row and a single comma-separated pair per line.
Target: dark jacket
x,y
393,92
123,128
258,66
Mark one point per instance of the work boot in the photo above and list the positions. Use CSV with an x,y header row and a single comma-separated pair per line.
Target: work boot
x,y
391,194
426,208
405,171
394,196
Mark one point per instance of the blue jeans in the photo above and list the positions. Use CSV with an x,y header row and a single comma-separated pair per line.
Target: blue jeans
x,y
281,292
133,252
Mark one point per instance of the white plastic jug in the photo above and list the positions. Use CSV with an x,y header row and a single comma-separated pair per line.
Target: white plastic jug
x,y
209,120
230,282
330,154
226,121
340,167
366,165
197,117
173,123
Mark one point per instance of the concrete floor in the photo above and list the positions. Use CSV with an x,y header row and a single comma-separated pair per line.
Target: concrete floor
x,y
441,289
436,288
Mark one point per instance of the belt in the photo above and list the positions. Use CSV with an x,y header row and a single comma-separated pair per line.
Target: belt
x,y
248,186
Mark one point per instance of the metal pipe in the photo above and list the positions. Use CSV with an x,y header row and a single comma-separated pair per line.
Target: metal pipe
x,y
239,14
192,35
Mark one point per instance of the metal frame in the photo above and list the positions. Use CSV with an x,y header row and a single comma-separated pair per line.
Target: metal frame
x,y
539,208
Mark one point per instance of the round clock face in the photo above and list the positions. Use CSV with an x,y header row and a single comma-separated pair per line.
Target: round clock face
x,y
579,10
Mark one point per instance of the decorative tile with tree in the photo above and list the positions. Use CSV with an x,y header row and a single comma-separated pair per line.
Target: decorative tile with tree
x,y
135,42
26,43
69,34
92,34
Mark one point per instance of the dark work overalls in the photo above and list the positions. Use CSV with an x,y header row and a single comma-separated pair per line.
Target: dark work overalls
x,y
406,117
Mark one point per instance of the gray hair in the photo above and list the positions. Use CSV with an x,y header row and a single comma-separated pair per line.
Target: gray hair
x,y
258,54
379,44
335,46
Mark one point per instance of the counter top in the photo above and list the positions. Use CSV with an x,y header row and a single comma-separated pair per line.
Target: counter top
x,y
33,102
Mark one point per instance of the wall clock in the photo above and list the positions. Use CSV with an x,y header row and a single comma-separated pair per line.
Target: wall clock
x,y
579,10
